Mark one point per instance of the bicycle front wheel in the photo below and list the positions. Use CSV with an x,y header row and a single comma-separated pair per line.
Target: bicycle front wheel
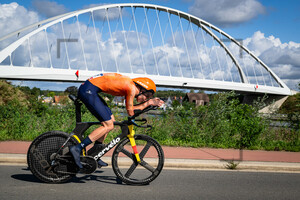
x,y
126,167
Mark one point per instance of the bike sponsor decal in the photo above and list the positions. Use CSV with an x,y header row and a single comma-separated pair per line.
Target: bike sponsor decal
x,y
107,148
39,157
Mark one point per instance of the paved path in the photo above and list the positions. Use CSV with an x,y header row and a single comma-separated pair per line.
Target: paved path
x,y
184,157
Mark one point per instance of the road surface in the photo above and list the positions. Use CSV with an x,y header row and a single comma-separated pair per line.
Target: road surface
x,y
17,182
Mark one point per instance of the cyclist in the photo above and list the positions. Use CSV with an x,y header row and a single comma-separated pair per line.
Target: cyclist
x,y
142,89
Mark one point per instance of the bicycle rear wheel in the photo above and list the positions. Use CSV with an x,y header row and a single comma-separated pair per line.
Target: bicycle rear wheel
x,y
40,155
126,167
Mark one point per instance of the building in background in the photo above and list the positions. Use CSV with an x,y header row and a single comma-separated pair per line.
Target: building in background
x,y
197,98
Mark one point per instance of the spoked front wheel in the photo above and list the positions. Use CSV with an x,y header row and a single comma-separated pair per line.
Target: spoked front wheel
x,y
130,171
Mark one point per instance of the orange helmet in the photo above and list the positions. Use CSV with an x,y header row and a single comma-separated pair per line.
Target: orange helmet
x,y
146,83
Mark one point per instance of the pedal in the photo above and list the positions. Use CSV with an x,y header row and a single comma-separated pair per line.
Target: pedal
x,y
65,164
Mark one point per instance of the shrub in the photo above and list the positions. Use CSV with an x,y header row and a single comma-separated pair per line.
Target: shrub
x,y
224,123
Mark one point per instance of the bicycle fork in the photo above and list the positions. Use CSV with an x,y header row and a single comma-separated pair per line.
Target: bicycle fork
x,y
132,142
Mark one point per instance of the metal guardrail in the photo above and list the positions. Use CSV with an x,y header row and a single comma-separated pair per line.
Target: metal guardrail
x,y
282,120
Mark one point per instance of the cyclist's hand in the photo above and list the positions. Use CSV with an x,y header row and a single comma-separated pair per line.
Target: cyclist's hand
x,y
156,102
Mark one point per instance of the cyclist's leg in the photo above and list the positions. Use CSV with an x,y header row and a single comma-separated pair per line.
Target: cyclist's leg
x,y
102,138
100,134
76,150
98,146
88,94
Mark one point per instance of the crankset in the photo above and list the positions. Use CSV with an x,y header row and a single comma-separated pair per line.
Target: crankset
x,y
65,164
89,164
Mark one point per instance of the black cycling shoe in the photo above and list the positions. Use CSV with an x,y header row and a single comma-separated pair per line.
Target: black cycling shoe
x,y
96,148
101,163
76,155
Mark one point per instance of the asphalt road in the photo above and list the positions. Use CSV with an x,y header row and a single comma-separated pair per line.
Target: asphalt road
x,y
17,182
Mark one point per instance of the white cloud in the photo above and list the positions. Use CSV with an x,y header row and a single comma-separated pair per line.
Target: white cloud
x,y
49,8
13,17
226,12
282,58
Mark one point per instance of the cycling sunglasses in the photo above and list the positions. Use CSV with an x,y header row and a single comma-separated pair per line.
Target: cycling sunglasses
x,y
147,94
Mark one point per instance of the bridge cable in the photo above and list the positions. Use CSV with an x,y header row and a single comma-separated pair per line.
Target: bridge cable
x,y
81,42
151,41
226,55
67,55
30,53
206,50
113,44
218,60
48,48
174,43
162,38
195,43
139,41
187,51
125,40
97,41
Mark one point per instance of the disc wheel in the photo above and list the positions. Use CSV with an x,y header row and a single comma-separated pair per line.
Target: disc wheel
x,y
126,167
40,156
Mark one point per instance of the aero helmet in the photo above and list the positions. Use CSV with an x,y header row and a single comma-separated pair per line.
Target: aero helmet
x,y
146,83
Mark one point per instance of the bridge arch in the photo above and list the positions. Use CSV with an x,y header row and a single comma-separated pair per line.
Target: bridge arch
x,y
174,48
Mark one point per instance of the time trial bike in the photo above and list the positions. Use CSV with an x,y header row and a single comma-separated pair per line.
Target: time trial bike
x,y
50,161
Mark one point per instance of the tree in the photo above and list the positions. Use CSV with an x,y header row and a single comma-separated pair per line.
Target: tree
x,y
51,94
35,91
72,90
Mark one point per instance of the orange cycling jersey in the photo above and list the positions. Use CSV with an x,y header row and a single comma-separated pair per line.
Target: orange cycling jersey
x,y
117,85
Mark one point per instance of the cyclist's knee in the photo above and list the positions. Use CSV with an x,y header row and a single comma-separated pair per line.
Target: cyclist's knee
x,y
108,125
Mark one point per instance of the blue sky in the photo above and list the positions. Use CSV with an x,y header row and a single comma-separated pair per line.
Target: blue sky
x,y
280,18
276,20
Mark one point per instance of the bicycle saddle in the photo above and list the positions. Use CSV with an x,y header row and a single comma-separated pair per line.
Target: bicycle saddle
x,y
73,97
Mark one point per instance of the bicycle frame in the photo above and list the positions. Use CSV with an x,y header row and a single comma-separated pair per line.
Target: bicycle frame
x,y
127,130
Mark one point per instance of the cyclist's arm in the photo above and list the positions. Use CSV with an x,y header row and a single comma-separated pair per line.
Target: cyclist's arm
x,y
131,107
129,102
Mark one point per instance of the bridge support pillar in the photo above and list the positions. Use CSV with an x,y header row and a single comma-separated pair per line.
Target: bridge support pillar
x,y
272,102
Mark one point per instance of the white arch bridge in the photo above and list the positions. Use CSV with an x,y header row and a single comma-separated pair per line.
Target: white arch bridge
x,y
173,48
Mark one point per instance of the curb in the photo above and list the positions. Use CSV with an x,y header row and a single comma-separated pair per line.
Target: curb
x,y
241,166
185,164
